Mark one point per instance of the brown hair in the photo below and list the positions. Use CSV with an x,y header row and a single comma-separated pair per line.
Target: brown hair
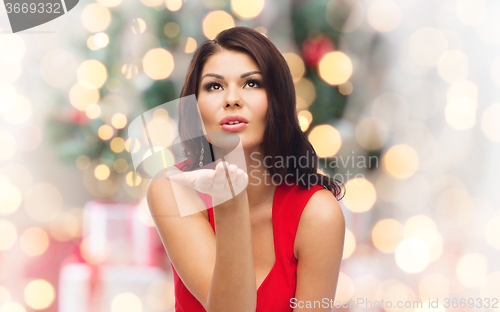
x,y
283,137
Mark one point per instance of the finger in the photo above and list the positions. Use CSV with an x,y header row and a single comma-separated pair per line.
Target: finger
x,y
232,172
220,175
241,178
184,178
207,179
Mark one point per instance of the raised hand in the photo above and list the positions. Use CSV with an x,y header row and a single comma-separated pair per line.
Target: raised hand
x,y
214,182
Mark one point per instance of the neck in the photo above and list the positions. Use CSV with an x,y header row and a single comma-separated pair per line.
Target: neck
x,y
260,189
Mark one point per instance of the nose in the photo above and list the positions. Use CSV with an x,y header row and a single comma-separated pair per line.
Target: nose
x,y
233,98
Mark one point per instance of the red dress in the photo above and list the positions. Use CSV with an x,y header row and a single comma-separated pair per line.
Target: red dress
x,y
278,287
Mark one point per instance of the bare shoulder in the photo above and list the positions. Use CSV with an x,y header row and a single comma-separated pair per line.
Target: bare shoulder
x,y
322,220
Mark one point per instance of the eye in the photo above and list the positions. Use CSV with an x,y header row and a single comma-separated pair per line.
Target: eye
x,y
212,86
254,83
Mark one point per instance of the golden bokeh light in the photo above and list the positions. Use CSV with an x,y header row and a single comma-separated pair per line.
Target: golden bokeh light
x,y
119,121
20,112
346,88
82,162
215,22
490,124
95,17
335,68
400,161
135,144
434,241
306,114
361,195
296,65
371,133
349,244
384,15
412,255
133,179
101,40
453,66
39,294
303,123
8,234
110,3
460,113
247,9
117,145
129,70
12,307
306,91
81,97
43,202
101,172
463,88
173,5
34,241
93,111
158,63
105,132
152,3
472,270
387,234
5,295
397,293
416,223
8,96
91,43
91,74
126,302
326,140
138,25
191,45
171,29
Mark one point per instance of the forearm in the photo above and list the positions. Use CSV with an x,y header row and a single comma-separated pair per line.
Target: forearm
x,y
233,282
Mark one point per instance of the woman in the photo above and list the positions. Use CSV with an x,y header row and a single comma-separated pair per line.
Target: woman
x,y
278,246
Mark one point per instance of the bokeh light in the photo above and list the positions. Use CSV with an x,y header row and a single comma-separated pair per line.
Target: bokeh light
x,y
12,48
384,15
400,161
215,22
101,172
81,97
173,5
8,234
412,255
247,9
126,302
20,112
387,234
296,65
158,63
39,294
472,269
34,241
361,195
349,244
152,3
326,140
95,17
191,45
138,25
335,68
92,74
43,202
490,124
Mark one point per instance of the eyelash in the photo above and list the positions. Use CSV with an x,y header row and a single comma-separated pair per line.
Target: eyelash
x,y
209,85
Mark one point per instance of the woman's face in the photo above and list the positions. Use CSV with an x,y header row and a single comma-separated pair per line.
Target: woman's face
x,y
232,92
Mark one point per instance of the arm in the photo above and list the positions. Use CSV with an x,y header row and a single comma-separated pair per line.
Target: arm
x,y
217,271
319,244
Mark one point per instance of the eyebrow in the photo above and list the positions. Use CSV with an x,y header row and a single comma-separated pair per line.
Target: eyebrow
x,y
222,77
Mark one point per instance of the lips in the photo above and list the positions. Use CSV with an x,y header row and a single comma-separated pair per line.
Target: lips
x,y
233,123
232,119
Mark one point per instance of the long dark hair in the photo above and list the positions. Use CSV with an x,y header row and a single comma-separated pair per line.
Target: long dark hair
x,y
283,138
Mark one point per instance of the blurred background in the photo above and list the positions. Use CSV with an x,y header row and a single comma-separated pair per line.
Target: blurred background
x,y
399,98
